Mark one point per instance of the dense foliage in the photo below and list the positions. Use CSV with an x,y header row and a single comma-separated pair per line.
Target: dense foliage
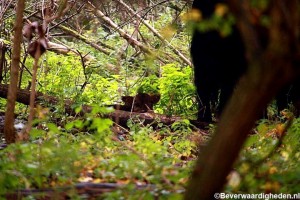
x,y
159,159
148,162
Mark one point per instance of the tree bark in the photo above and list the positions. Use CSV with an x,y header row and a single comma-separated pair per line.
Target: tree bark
x,y
10,135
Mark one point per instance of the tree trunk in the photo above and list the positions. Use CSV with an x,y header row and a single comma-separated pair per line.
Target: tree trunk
x,y
2,58
10,135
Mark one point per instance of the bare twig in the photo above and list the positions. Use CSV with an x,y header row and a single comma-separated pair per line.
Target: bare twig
x,y
156,33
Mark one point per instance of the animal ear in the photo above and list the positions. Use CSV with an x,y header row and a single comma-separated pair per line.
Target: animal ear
x,y
127,99
154,98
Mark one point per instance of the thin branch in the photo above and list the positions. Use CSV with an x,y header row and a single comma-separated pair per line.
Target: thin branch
x,y
133,42
155,32
83,38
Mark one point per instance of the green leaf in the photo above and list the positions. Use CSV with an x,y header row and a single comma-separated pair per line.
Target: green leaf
x,y
37,133
52,127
